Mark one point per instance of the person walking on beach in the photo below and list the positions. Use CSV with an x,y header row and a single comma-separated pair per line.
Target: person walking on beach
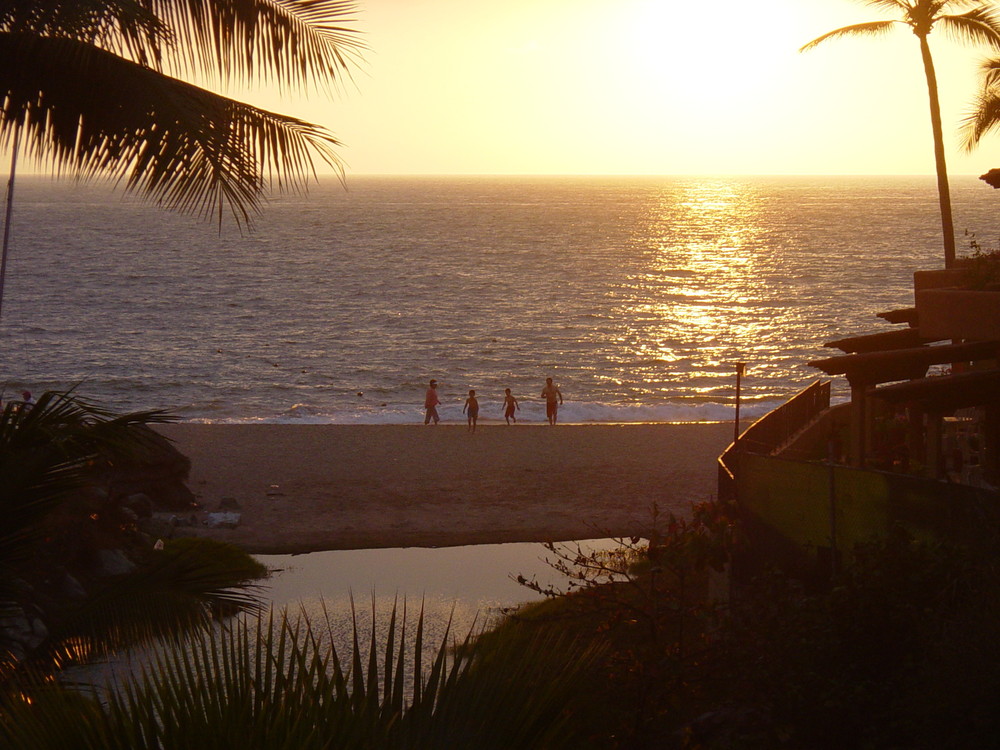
x,y
509,406
431,402
550,393
472,409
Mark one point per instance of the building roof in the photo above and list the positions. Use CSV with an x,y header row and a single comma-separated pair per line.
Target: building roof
x,y
900,338
870,368
948,392
905,315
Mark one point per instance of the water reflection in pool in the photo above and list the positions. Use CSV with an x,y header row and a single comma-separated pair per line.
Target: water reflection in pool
x,y
466,585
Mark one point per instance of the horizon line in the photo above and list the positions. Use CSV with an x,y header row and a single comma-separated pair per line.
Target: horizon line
x,y
564,175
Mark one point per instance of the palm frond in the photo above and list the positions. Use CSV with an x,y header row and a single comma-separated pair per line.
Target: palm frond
x,y
175,590
68,428
989,73
49,452
978,26
888,5
870,29
287,42
121,26
94,113
46,453
982,119
275,681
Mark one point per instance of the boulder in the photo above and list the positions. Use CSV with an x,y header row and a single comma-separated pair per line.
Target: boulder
x,y
153,469
113,562
71,588
140,504
158,526
20,632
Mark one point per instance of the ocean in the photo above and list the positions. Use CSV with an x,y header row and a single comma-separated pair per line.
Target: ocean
x,y
637,295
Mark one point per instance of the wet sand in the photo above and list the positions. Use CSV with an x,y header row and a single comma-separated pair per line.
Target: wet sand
x,y
305,488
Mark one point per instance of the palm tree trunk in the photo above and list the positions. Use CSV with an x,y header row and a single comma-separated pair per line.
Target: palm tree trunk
x,y
8,211
944,194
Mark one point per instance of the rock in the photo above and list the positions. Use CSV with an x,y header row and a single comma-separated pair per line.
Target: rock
x,y
94,494
140,503
20,633
991,178
178,521
113,562
38,633
155,468
229,503
157,526
222,520
72,588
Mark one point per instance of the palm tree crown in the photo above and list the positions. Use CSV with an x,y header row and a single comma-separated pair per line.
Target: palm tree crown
x,y
97,87
985,115
979,24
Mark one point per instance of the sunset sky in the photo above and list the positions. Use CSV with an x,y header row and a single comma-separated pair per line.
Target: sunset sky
x,y
641,87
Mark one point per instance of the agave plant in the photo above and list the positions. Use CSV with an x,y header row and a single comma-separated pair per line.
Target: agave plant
x,y
277,681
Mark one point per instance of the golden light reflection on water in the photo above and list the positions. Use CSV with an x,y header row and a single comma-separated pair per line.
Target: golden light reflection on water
x,y
697,281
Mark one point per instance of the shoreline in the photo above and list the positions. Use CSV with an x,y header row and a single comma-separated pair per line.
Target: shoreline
x,y
265,421
313,487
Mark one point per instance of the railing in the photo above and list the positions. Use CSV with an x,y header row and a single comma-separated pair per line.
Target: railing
x,y
810,505
772,431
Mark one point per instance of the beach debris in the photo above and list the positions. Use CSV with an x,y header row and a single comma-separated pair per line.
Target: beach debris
x,y
274,491
223,520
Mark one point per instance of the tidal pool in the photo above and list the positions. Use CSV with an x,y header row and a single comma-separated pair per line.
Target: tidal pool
x,y
458,590
465,587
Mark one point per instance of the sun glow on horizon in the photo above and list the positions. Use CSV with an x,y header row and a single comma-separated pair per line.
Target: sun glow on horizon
x,y
638,87
728,64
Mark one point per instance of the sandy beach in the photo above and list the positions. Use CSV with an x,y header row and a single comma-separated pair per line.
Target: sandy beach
x,y
305,488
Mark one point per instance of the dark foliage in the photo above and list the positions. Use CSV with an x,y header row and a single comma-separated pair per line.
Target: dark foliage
x,y
899,651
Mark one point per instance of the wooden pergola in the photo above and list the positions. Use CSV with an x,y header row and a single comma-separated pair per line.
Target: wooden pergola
x,y
902,338
941,396
866,370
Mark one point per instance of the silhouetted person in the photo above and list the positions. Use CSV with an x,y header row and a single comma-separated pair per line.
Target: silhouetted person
x,y
472,409
553,398
509,406
431,402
